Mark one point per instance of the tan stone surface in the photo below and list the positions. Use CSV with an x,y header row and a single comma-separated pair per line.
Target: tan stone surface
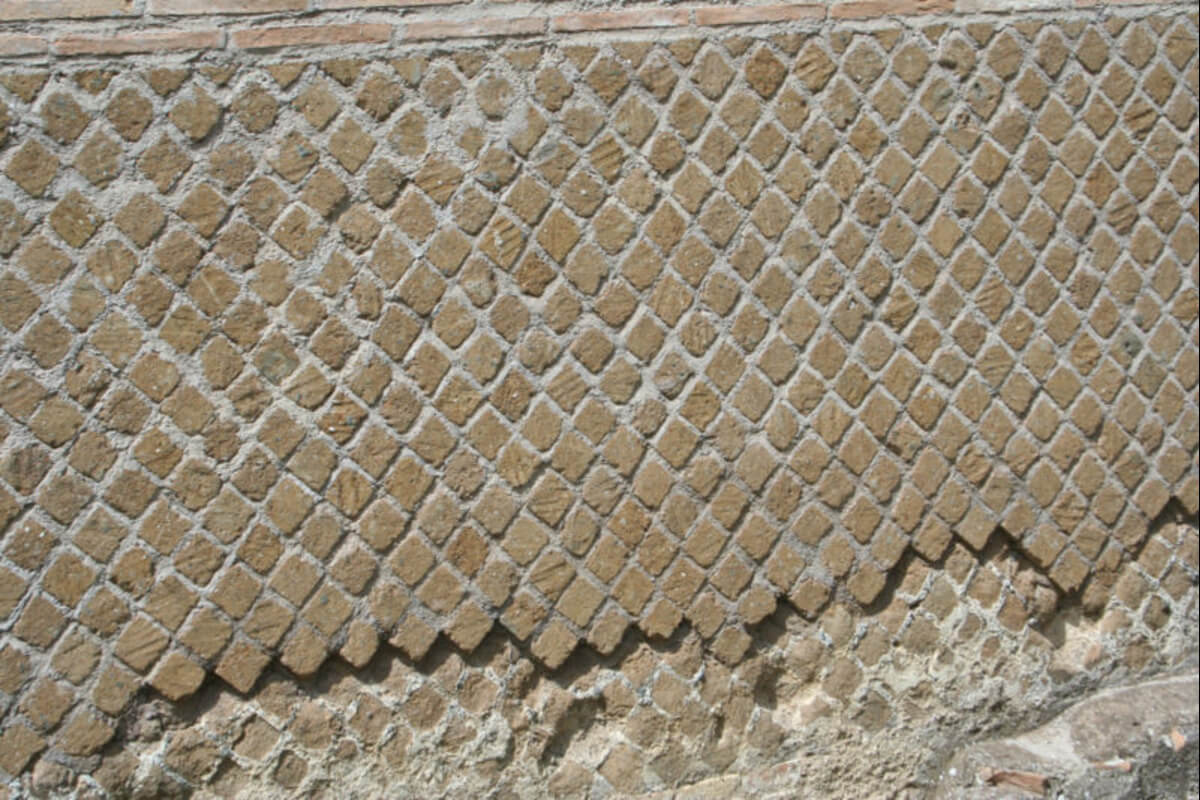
x,y
838,706
735,327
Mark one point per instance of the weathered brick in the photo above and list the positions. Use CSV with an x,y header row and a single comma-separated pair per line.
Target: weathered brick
x,y
607,20
298,35
19,44
758,14
189,7
483,27
149,42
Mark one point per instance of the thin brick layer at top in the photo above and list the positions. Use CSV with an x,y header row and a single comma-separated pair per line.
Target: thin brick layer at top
x,y
575,339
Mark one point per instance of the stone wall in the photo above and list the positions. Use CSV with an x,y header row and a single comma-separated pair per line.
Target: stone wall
x,y
765,403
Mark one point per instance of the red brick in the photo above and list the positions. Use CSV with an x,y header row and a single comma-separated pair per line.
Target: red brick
x,y
11,10
888,8
18,44
262,38
182,7
752,14
489,26
330,4
149,42
1008,6
610,20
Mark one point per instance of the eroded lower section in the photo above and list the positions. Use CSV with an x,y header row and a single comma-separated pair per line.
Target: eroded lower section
x,y
845,705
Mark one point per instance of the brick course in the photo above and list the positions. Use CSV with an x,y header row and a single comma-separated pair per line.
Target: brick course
x,y
310,35
334,21
152,42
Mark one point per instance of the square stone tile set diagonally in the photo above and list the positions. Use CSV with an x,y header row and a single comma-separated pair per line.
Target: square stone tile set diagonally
x,y
579,338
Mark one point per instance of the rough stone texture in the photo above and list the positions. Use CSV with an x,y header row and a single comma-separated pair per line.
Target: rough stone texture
x,y
845,706
1139,741
788,353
